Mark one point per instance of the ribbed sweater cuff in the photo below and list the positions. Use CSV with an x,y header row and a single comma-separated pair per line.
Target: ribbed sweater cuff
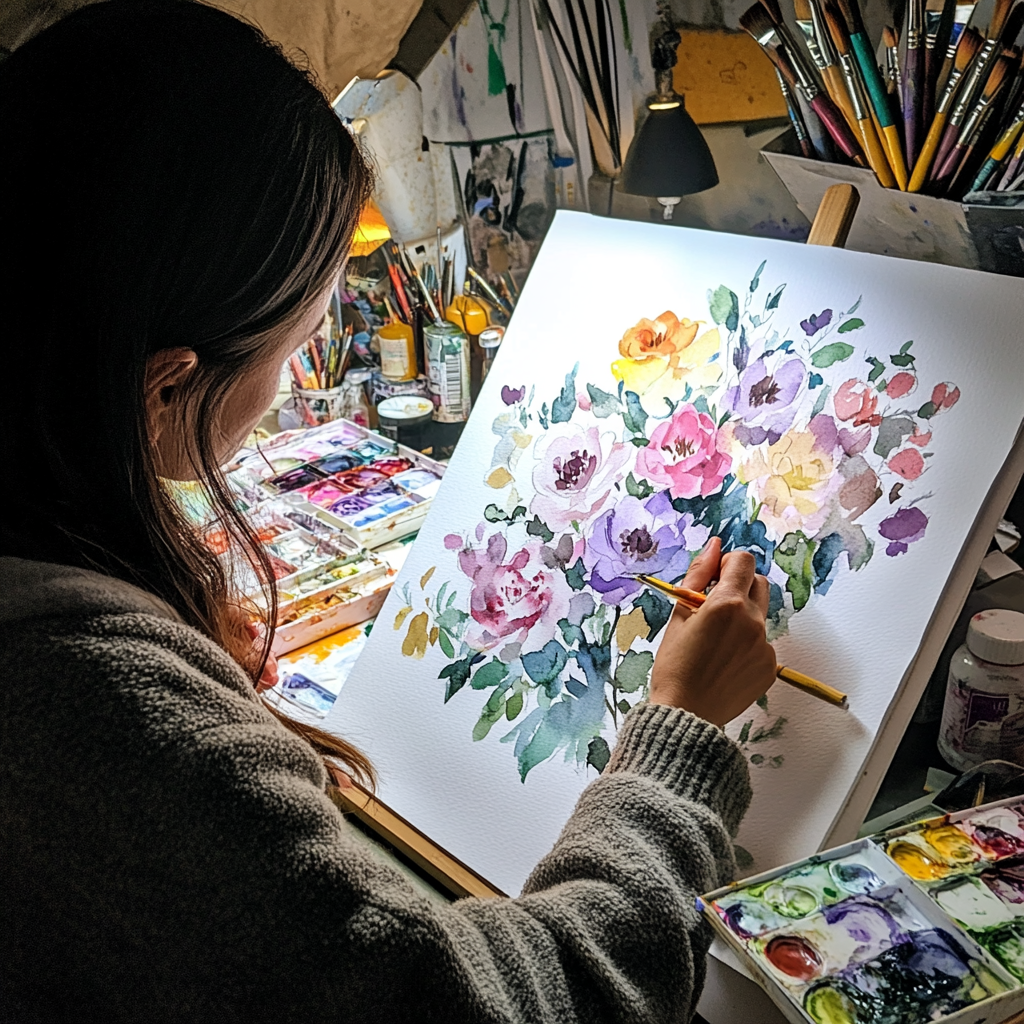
x,y
693,758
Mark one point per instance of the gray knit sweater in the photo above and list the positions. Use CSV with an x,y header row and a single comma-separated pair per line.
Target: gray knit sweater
x,y
169,853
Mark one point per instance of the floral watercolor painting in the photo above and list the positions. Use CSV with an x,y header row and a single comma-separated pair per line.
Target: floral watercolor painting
x,y
787,436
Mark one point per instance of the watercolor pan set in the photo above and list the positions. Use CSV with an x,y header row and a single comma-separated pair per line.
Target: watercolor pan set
x,y
351,480
922,923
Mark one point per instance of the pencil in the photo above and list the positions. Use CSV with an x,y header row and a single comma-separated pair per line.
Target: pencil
x,y
693,600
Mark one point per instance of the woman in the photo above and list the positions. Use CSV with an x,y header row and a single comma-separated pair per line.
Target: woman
x,y
177,200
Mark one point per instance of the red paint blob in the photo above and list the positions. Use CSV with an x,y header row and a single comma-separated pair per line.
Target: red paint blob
x,y
794,957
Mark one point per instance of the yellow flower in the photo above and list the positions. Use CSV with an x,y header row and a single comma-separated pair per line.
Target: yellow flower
x,y
667,376
791,480
663,336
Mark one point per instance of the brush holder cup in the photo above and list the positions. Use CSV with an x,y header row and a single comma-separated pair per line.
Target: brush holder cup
x,y
316,406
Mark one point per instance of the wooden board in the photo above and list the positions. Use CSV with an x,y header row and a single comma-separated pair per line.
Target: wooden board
x,y
725,76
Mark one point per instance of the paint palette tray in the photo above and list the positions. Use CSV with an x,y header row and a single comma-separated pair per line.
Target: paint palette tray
x,y
849,937
352,482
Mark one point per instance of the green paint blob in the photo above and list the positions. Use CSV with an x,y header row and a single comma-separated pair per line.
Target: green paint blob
x,y
791,900
829,1005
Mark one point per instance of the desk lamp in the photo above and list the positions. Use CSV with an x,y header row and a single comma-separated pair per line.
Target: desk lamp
x,y
668,157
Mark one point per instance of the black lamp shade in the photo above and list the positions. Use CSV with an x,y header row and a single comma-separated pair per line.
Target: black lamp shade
x,y
668,155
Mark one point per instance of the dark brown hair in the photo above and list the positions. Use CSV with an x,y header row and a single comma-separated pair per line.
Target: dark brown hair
x,y
167,178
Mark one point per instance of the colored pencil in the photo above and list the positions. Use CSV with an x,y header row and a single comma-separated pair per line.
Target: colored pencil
x,y
693,600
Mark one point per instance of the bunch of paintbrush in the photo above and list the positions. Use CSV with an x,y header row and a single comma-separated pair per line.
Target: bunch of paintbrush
x,y
319,364
945,117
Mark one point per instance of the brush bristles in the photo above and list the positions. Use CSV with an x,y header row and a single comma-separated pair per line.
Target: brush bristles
x,y
967,49
802,10
851,15
889,37
836,26
999,15
1012,25
1000,70
757,21
774,10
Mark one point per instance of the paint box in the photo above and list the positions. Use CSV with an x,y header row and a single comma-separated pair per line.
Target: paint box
x,y
849,936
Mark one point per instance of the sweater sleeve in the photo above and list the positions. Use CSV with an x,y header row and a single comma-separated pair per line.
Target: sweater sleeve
x,y
185,863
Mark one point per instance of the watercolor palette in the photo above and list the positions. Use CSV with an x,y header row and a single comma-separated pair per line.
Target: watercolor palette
x,y
349,479
923,923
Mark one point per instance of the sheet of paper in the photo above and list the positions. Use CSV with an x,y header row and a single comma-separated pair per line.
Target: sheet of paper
x,y
843,416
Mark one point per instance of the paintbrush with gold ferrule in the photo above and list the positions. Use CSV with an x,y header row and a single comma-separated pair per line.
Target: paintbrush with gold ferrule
x,y
819,46
694,599
968,47
961,21
999,152
938,27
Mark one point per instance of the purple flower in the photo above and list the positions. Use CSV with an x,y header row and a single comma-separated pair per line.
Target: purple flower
x,y
902,528
636,536
813,323
763,400
512,395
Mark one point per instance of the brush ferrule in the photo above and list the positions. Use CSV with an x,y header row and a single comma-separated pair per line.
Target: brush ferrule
x,y
949,91
852,86
978,114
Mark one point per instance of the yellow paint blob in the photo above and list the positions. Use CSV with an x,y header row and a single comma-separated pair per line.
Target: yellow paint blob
x,y
916,862
951,843
415,643
499,478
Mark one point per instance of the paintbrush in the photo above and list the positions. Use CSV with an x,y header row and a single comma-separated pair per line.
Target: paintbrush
x,y
877,159
969,45
973,122
1010,172
863,53
486,288
799,128
756,21
892,61
1003,19
693,600
913,79
961,19
823,55
938,27
998,153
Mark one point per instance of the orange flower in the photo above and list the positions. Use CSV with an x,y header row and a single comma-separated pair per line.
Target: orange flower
x,y
665,336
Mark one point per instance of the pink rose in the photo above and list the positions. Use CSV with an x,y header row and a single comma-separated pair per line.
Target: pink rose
x,y
901,384
857,401
512,594
575,472
684,455
908,464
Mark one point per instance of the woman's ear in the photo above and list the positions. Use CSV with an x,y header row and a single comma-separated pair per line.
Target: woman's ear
x,y
167,371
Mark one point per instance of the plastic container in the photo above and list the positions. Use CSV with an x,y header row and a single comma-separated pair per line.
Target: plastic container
x,y
490,341
315,406
397,351
407,419
983,716
355,405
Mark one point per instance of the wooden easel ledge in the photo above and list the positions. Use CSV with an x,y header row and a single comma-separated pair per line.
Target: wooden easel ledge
x,y
831,227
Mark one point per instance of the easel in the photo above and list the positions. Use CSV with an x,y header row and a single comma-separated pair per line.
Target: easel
x,y
831,227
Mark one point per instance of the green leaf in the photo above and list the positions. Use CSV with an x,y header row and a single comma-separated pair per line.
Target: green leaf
x,y
902,360
928,410
571,634
762,702
544,666
446,644
773,299
513,706
757,758
744,732
635,417
905,347
457,674
564,405
536,528
853,309
623,706
757,277
639,442
657,611
598,754
834,353
491,674
794,555
602,404
493,711
877,369
725,307
771,732
493,514
851,325
641,489
574,575
634,671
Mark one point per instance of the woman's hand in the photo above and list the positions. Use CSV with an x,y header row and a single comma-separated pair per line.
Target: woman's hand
x,y
717,662
268,679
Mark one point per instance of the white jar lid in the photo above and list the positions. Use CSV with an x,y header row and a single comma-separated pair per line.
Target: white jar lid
x,y
997,635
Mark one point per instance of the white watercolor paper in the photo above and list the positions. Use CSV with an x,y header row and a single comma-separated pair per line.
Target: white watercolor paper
x,y
844,416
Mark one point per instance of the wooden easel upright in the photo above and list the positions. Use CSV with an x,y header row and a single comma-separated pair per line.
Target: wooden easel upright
x,y
831,227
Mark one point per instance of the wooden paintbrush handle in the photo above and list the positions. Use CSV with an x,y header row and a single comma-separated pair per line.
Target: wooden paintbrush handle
x,y
924,161
837,128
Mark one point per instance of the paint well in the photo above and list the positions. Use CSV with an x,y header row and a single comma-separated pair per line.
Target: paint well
x,y
916,861
952,844
972,904
794,957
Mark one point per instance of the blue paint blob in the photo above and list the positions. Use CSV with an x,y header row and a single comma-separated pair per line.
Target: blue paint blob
x,y
855,878
913,208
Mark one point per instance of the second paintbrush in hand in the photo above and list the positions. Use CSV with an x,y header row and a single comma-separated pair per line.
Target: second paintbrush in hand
x,y
694,599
